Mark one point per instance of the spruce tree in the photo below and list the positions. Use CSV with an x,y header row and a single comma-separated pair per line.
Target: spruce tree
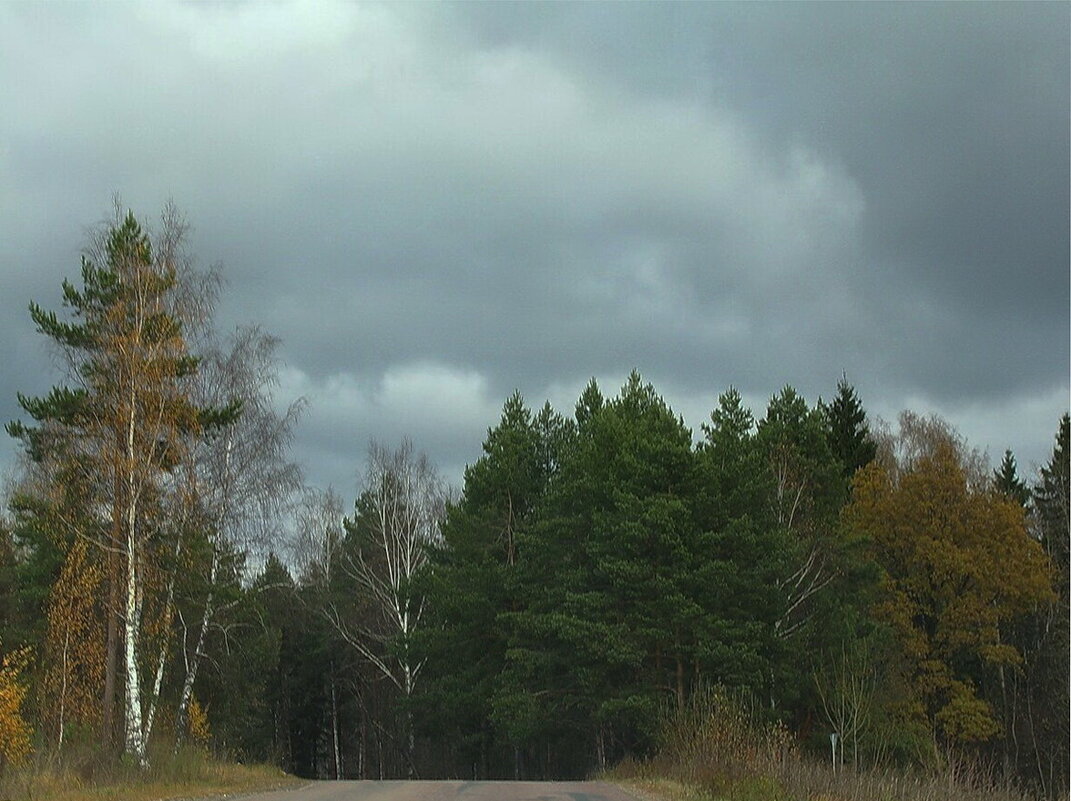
x,y
1052,504
1007,482
847,430
1051,499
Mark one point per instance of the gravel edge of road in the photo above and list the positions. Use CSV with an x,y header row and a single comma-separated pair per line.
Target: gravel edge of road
x,y
240,794
635,792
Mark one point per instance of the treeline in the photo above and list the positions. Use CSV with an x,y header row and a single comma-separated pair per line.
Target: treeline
x,y
165,579
602,568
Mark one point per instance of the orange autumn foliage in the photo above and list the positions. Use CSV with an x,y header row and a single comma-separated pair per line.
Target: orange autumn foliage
x,y
958,565
14,730
74,646
198,722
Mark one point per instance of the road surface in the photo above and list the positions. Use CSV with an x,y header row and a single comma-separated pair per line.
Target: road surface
x,y
448,791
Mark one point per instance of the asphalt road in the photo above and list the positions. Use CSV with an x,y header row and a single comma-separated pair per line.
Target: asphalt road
x,y
448,791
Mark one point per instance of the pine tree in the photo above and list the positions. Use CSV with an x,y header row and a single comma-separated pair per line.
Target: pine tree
x,y
123,422
743,552
589,405
469,581
736,484
275,596
40,535
605,621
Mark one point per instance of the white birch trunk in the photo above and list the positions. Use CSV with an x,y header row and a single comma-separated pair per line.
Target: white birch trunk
x,y
182,718
157,682
135,742
161,658
410,741
63,689
192,666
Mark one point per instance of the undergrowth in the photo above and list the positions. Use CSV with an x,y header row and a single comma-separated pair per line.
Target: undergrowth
x,y
81,774
716,749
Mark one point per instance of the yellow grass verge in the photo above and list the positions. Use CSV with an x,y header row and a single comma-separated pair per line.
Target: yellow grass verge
x,y
662,789
208,779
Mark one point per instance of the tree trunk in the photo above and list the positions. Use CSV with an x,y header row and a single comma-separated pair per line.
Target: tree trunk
x,y
63,689
182,717
192,666
158,677
600,748
410,744
135,743
379,750
362,749
680,681
334,727
409,735
111,654
1009,724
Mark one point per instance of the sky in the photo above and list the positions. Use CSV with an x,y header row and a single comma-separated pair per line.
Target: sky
x,y
435,205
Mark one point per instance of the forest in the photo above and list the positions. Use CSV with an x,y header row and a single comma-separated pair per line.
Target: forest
x,y
167,579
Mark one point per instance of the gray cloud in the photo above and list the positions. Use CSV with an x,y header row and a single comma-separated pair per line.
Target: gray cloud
x,y
433,205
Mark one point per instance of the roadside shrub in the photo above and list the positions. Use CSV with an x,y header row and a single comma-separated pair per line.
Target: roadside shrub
x,y
718,741
718,746
14,730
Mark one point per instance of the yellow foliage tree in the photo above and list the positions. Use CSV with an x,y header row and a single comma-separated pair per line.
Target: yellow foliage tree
x,y
957,566
198,722
74,646
14,730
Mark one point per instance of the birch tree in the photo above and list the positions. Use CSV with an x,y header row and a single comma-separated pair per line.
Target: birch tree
x,y
74,646
318,536
847,689
397,517
238,475
316,552
15,732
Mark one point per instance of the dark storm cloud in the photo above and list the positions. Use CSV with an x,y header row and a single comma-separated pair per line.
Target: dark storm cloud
x,y
434,205
952,119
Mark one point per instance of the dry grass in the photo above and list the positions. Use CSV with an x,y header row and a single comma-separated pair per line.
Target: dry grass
x,y
716,750
188,775
661,789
